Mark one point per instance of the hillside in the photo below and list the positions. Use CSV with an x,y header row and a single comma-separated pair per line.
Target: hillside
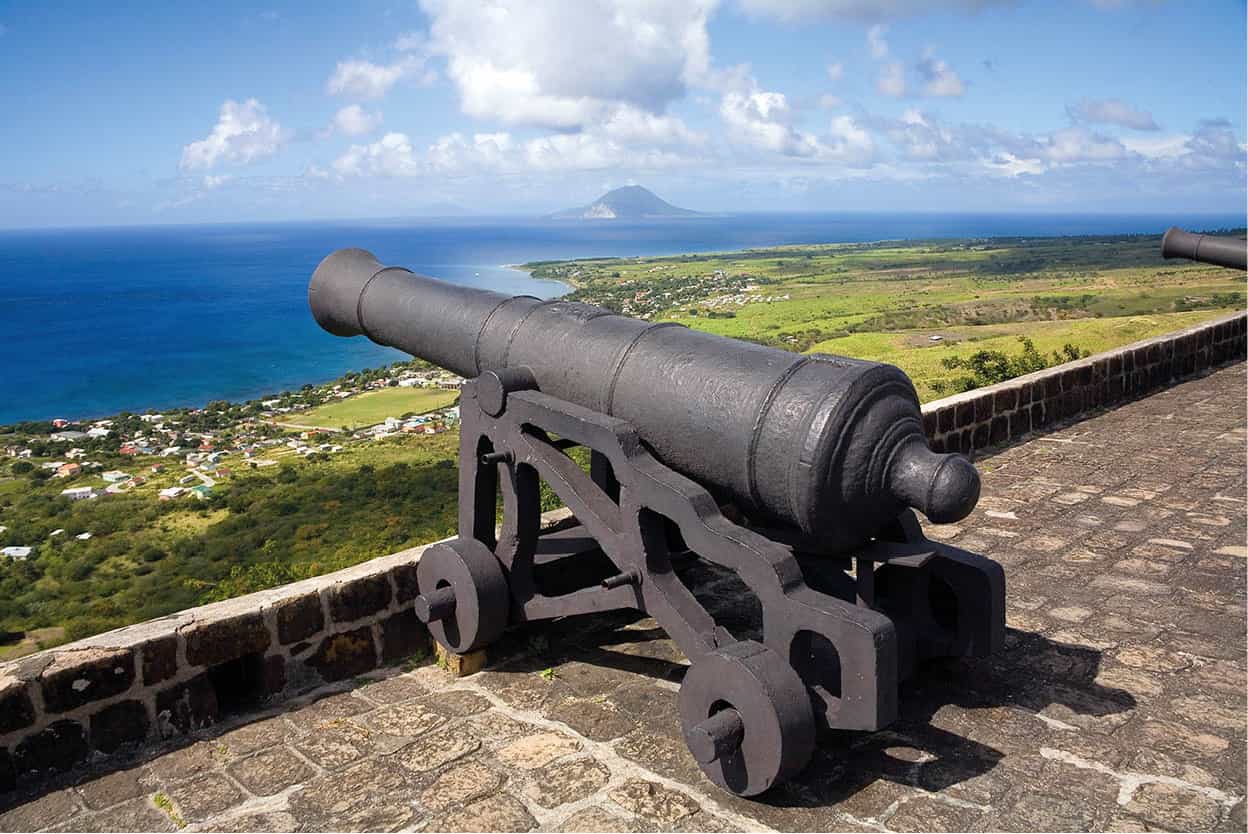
x,y
632,202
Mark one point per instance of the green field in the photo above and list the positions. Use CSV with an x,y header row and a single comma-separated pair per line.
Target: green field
x,y
885,301
373,407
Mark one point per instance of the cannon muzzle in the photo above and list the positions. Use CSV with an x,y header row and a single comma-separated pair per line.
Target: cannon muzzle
x,y
829,445
1219,251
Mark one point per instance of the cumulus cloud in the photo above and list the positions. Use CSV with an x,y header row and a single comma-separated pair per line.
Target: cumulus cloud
x,y
876,44
366,80
1111,111
568,64
892,80
939,78
244,133
392,156
864,10
836,71
354,120
210,181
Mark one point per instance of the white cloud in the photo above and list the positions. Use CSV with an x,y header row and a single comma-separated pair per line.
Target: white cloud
x,y
866,10
761,119
892,80
876,43
354,120
244,133
391,156
1111,111
827,101
568,64
211,181
940,78
366,80
836,71
411,42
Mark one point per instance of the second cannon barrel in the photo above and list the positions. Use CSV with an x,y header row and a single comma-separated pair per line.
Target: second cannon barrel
x,y
829,445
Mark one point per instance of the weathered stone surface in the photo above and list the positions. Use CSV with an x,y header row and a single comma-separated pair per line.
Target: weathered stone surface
x,y
359,598
495,813
457,703
8,773
59,746
335,744
270,771
269,821
598,820
80,677
405,584
125,722
406,721
345,655
330,708
1174,808
135,815
461,783
215,641
532,752
183,763
16,709
594,718
202,798
160,659
254,736
393,690
403,636
653,801
298,618
923,813
103,791
365,796
436,749
57,806
187,706
564,782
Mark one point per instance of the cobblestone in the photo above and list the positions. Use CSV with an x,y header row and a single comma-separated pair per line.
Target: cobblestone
x,y
1117,704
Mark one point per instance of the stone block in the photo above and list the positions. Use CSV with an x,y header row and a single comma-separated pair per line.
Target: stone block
x,y
271,771
983,408
16,710
8,775
59,746
945,419
80,676
460,665
929,424
359,598
160,659
980,439
125,722
999,430
298,618
187,706
1006,401
405,585
274,674
965,414
213,642
1052,386
402,636
345,655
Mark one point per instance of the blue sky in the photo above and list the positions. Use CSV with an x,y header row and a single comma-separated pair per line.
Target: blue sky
x,y
155,113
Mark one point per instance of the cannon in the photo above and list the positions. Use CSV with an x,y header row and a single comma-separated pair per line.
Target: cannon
x,y
799,473
1219,251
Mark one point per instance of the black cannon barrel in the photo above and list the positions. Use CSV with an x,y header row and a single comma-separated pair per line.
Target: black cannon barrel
x,y
1220,251
829,445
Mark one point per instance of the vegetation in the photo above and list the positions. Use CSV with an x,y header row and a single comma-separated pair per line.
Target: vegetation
x,y
953,314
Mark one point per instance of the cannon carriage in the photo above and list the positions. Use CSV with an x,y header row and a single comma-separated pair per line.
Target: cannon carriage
x,y
800,474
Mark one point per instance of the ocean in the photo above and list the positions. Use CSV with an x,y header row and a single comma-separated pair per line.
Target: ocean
x,y
97,321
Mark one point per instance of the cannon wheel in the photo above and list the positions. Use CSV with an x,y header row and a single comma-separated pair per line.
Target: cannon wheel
x,y
747,718
464,598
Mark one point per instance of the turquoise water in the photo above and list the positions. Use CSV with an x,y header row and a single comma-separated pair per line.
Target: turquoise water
x,y
96,321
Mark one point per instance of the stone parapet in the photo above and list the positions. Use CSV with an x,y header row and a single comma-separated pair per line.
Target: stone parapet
x,y
1000,413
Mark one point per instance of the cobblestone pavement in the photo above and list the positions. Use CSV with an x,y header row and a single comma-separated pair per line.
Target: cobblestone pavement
x,y
1118,703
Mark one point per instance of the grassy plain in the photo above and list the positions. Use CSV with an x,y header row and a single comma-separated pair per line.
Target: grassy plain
x,y
373,407
885,301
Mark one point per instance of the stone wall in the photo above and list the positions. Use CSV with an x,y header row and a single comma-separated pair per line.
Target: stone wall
x,y
165,677
1000,413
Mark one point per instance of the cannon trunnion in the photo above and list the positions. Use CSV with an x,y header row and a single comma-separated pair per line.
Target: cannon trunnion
x,y
822,531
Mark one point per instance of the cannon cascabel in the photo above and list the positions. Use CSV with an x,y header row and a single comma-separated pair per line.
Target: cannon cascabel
x,y
829,445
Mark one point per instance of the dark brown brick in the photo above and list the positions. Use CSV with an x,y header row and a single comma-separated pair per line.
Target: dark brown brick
x,y
160,660
1114,365
217,641
60,746
345,655
945,421
125,722
929,424
1070,378
1020,422
274,674
983,408
1052,386
1006,401
966,443
1083,375
8,774
402,636
1037,416
965,414
405,582
359,598
980,440
188,706
299,618
16,710
80,677
1000,430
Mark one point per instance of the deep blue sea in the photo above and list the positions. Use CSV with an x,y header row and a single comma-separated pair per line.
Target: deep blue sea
x,y
96,321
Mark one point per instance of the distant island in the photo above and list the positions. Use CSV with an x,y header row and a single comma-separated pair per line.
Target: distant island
x,y
632,202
